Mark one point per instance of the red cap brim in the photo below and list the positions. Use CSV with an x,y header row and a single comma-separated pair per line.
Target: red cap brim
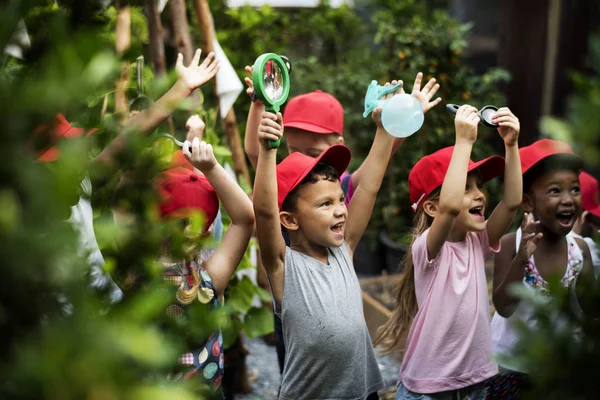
x,y
309,127
489,168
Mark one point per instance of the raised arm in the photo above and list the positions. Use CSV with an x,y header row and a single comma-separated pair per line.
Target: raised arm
x,y
505,211
509,265
268,226
222,264
251,145
362,203
424,95
453,187
189,79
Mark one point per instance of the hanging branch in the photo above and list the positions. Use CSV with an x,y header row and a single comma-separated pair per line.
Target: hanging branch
x,y
155,35
229,122
123,41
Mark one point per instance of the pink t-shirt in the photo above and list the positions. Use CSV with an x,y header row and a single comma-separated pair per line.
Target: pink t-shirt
x,y
449,345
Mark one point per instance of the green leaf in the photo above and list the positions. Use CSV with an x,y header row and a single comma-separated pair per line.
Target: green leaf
x,y
258,322
241,294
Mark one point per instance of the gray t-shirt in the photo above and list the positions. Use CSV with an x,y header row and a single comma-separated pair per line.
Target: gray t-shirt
x,y
329,354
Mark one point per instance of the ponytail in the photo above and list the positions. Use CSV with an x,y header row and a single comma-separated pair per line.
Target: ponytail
x,y
396,328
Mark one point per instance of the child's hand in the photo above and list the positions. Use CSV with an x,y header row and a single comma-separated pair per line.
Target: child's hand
x,y
195,127
196,75
270,128
529,236
377,111
424,95
508,126
250,84
201,155
466,123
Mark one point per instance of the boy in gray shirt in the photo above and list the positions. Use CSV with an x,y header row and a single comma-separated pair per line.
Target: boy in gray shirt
x,y
329,354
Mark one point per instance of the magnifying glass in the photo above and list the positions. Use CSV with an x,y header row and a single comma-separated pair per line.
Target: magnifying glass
x,y
271,79
485,114
141,102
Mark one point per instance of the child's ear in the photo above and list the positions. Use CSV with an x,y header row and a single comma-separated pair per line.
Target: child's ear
x,y
431,208
527,203
288,220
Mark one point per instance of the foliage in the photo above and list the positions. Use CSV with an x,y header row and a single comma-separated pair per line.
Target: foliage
x,y
61,338
580,128
562,351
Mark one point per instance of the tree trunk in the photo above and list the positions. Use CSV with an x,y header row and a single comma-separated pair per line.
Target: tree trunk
x,y
181,29
155,34
229,122
183,41
123,41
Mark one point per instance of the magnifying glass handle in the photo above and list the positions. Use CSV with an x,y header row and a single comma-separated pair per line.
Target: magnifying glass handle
x,y
453,108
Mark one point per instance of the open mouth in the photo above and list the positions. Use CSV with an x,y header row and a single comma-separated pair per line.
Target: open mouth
x,y
338,229
476,211
565,218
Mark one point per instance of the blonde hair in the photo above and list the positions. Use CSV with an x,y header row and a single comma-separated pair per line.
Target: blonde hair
x,y
390,334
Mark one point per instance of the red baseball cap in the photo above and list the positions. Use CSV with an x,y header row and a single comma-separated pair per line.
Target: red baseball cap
x,y
316,112
296,166
60,129
544,149
589,194
185,192
429,173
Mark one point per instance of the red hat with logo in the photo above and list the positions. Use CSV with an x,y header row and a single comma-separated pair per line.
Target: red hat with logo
x,y
294,168
429,172
316,112
185,192
589,194
60,129
549,150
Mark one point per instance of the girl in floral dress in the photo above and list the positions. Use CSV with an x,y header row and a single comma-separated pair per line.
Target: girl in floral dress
x,y
537,251
204,275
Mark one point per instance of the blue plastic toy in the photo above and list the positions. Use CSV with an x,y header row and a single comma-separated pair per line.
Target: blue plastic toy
x,y
402,115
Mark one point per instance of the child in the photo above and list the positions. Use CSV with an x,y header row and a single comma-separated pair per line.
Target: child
x,y
588,225
537,251
443,291
313,122
204,277
315,289
190,79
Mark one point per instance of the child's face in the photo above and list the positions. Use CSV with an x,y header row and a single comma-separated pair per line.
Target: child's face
x,y
321,213
472,215
309,143
556,199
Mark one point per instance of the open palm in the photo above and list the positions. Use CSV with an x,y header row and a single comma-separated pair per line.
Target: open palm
x,y
197,74
425,94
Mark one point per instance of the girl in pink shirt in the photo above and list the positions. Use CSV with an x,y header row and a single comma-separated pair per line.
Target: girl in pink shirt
x,y
443,294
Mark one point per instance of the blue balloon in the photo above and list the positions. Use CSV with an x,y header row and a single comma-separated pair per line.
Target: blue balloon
x,y
402,115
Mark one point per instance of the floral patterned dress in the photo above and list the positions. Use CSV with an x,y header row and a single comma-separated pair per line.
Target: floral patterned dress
x,y
203,361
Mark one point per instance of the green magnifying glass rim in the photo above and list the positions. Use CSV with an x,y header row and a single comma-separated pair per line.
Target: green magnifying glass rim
x,y
259,85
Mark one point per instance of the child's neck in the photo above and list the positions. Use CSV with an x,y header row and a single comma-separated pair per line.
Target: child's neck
x,y
457,235
300,243
550,238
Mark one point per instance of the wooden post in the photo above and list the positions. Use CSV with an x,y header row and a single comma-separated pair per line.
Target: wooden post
x,y
123,41
183,41
155,35
229,122
181,29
